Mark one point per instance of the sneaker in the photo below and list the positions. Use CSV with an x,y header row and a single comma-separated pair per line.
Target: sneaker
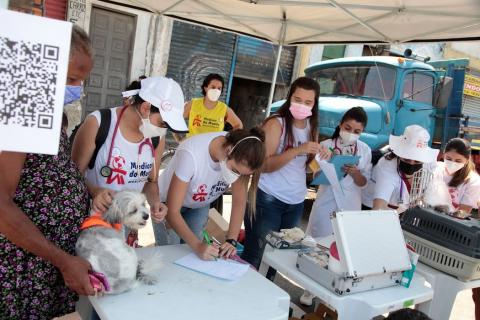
x,y
307,298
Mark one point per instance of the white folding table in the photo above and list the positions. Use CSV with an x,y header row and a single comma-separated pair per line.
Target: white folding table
x,y
445,290
181,293
363,305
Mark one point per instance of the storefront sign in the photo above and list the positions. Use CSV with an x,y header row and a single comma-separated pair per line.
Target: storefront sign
x,y
471,86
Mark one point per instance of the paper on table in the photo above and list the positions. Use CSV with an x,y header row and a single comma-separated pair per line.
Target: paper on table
x,y
220,268
34,57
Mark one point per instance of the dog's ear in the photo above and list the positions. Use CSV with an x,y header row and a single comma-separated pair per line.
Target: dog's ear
x,y
116,211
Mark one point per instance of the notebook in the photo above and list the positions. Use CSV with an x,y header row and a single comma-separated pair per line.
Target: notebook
x,y
222,269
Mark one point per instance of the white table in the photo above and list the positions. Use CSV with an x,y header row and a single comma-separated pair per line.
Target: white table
x,y
445,288
181,293
363,305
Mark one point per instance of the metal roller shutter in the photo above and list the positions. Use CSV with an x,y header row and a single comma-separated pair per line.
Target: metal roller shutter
x,y
256,61
197,51
56,9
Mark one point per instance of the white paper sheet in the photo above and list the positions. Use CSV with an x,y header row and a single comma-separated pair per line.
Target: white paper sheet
x,y
34,53
329,170
223,269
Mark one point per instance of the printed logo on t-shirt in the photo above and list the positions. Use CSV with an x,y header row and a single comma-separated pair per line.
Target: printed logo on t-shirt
x,y
217,189
118,173
197,121
454,196
201,194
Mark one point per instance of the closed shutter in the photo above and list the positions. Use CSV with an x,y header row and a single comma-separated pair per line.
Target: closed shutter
x,y
56,9
471,107
195,52
256,61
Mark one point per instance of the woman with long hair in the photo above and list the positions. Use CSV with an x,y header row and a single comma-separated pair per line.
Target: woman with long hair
x,y
291,142
202,169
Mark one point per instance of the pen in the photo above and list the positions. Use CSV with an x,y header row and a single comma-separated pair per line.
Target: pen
x,y
216,241
207,239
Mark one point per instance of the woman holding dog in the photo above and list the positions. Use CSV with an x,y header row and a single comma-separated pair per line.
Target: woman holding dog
x,y
43,200
203,167
129,158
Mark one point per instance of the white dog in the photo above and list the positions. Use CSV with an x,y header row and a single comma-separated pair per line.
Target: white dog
x,y
105,248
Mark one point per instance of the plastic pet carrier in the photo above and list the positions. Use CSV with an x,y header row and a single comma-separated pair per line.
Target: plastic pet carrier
x,y
443,242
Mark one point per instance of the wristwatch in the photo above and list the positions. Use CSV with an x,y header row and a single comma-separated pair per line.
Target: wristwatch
x,y
233,242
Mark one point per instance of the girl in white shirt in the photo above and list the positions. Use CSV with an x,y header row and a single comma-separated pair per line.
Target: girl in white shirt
x,y
458,173
345,141
204,166
291,142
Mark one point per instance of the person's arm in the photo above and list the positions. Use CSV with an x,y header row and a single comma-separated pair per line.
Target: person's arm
x,y
379,204
175,197
274,162
186,109
239,204
20,230
233,119
158,210
82,151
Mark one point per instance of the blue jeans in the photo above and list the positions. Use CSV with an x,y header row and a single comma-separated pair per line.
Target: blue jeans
x,y
271,215
196,220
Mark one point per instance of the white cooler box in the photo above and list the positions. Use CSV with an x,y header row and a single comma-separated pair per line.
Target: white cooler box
x,y
372,253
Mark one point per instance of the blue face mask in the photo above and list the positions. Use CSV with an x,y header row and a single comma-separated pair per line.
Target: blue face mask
x,y
72,93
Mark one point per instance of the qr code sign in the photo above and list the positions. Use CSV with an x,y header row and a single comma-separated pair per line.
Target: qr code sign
x,y
28,77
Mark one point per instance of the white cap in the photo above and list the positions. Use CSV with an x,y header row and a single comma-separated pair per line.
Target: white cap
x,y
413,145
167,96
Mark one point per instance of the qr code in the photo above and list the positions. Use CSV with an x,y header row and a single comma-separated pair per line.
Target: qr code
x,y
28,77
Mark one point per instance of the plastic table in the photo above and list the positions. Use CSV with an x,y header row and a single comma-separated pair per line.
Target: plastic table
x,y
445,288
181,293
362,305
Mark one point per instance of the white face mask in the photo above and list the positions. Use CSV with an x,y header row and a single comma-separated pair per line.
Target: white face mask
x,y
149,130
213,94
227,174
348,138
453,166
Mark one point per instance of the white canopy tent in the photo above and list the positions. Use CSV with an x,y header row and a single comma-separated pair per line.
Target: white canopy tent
x,y
294,22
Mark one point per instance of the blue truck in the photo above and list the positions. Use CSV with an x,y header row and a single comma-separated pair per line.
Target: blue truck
x,y
394,91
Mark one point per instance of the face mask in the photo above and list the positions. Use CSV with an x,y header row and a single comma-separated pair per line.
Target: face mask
x,y
72,93
348,138
227,174
408,168
453,166
149,130
300,111
213,94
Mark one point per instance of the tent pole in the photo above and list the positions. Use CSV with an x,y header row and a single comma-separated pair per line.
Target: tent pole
x,y
283,33
274,79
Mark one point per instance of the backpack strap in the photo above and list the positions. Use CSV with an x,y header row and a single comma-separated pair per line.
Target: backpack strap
x,y
155,142
102,133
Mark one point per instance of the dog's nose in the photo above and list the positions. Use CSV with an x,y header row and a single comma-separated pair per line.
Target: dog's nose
x,y
145,216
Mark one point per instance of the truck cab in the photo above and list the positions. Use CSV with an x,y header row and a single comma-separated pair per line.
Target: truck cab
x,y
394,91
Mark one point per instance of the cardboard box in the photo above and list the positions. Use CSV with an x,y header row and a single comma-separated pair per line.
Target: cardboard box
x,y
217,226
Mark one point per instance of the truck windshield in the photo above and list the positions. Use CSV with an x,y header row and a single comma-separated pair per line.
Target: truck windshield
x,y
366,81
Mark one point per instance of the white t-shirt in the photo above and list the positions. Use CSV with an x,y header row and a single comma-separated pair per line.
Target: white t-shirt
x,y
467,193
130,165
288,184
192,163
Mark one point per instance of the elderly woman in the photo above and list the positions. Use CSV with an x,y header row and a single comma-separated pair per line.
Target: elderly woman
x,y
43,200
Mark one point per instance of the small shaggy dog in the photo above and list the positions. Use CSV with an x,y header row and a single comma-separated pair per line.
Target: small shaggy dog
x,y
102,243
